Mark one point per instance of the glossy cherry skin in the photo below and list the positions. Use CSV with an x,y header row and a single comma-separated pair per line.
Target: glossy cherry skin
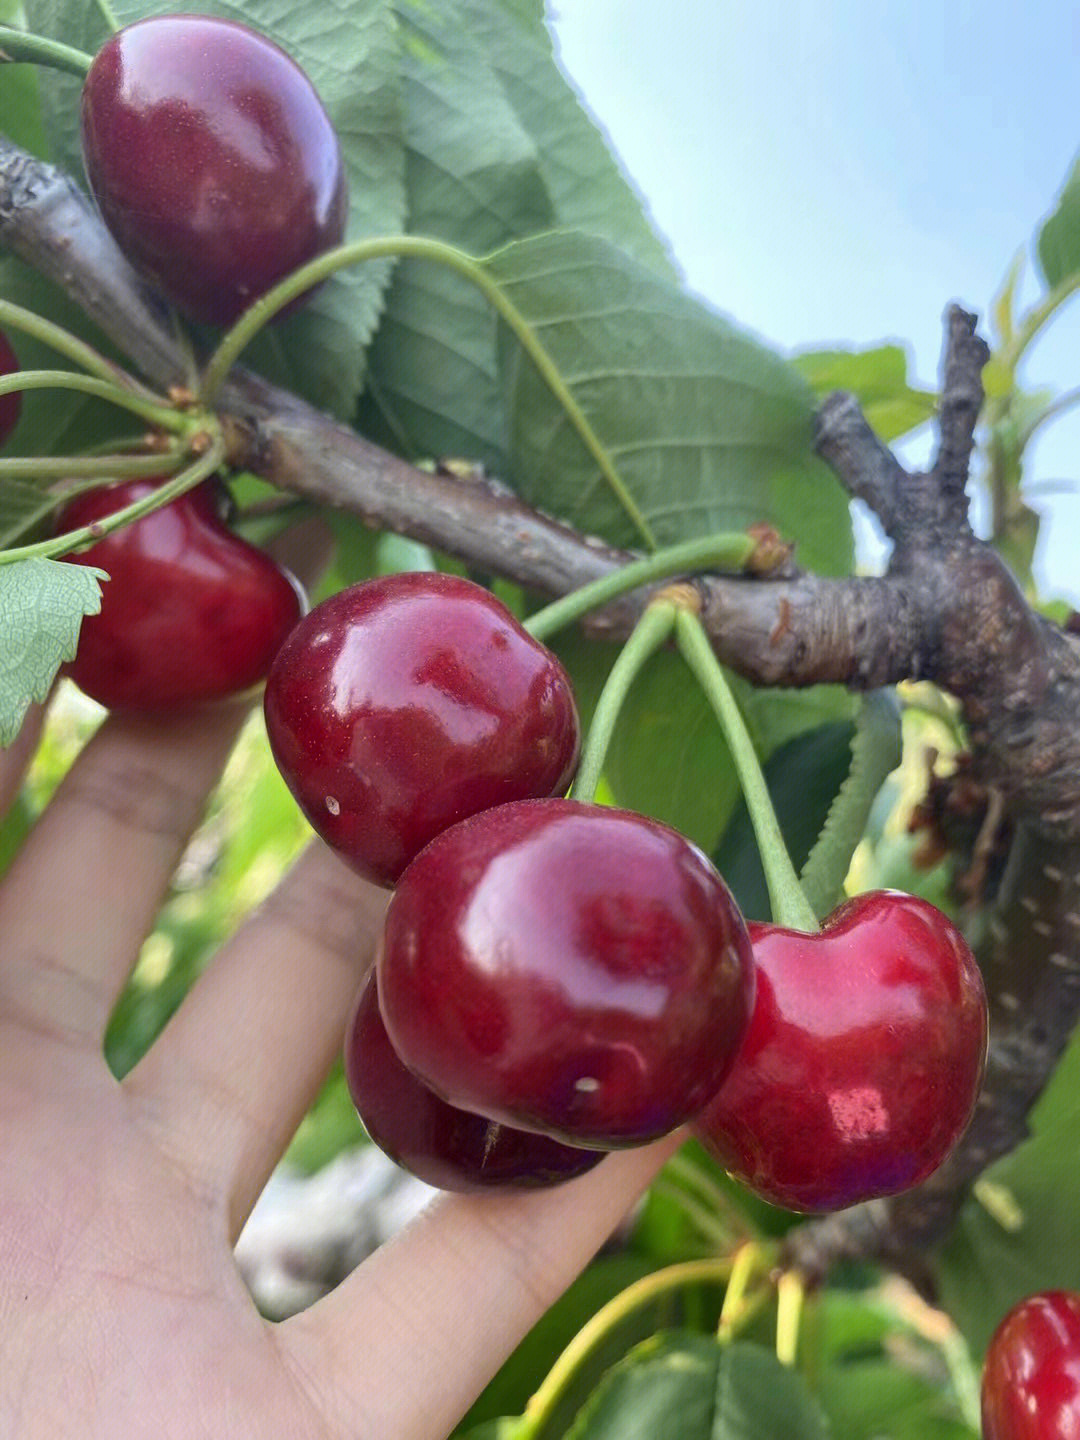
x,y
863,1059
406,703
10,405
191,612
1031,1379
567,968
212,160
448,1148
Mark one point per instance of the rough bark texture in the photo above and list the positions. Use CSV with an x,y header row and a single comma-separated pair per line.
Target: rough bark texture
x,y
946,610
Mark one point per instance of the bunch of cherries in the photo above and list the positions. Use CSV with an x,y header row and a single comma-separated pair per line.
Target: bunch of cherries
x,y
555,978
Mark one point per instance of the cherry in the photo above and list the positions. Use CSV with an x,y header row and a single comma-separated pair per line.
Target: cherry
x,y
567,968
406,703
450,1149
212,160
1031,1380
10,405
191,612
863,1058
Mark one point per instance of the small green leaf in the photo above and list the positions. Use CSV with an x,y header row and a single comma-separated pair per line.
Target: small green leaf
x,y
684,1386
878,378
1059,238
42,604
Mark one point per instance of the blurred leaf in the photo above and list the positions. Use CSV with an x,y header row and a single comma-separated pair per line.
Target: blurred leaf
x,y
42,604
509,1392
984,1269
330,1126
878,379
21,505
708,429
57,422
20,101
682,1386
1058,239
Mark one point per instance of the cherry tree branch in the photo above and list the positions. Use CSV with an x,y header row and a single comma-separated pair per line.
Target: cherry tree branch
x,y
947,610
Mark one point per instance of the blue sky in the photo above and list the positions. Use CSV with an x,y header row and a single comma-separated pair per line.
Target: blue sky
x,y
838,172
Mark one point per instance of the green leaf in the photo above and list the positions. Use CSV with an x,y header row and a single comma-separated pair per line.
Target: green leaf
x,y
42,604
1058,240
682,1386
708,428
21,505
878,378
473,179
20,102
55,422
81,25
588,187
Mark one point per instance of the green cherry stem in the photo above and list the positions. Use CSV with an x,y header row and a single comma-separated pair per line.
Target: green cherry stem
x,y
185,480
790,1299
647,636
20,45
88,467
162,417
17,317
790,907
728,551
421,247
711,1271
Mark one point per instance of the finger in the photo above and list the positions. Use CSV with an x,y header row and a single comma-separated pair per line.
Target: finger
x,y
83,892
240,1063
459,1287
15,758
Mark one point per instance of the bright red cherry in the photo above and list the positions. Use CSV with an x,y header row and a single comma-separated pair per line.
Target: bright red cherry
x,y
10,405
566,968
406,703
1031,1380
863,1060
212,160
450,1149
190,613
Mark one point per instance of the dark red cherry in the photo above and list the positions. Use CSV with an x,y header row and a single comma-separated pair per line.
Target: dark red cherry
x,y
212,160
1031,1380
863,1059
448,1148
10,405
404,704
566,968
191,612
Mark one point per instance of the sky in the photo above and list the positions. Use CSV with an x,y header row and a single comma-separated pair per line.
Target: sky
x,y
837,173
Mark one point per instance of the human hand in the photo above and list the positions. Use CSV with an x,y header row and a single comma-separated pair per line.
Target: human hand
x,y
122,1314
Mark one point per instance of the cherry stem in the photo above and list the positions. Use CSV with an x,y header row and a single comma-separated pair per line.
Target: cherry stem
x,y
714,1270
790,1298
647,636
728,551
162,417
790,907
17,317
187,479
20,46
421,247
88,467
